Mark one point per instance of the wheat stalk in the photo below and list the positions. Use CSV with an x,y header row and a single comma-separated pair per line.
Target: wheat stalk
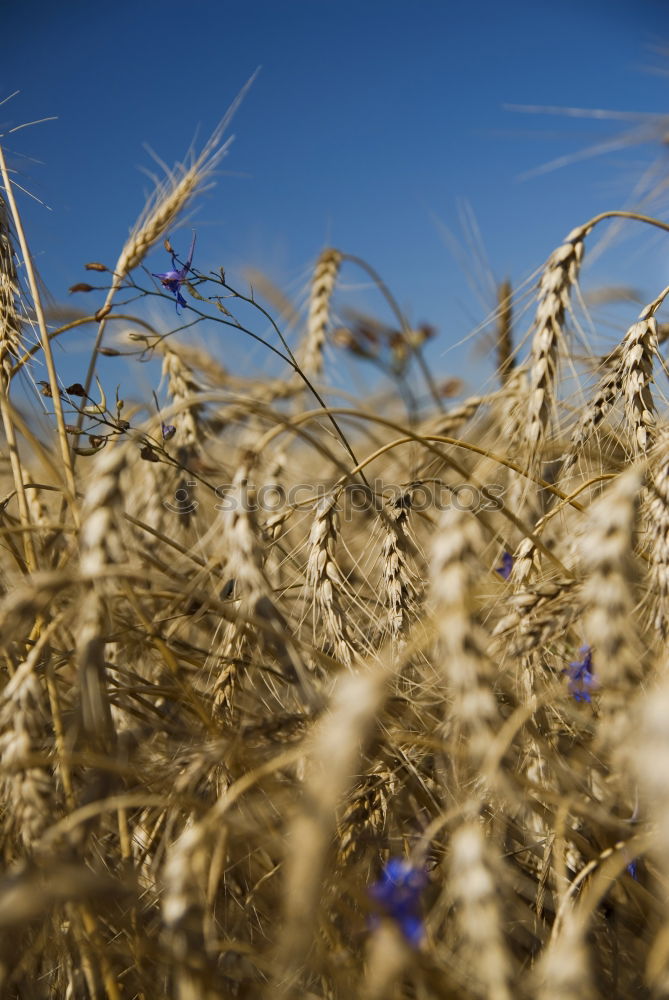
x,y
505,357
65,452
10,342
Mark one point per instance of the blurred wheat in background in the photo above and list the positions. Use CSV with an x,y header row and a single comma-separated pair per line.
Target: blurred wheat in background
x,y
303,698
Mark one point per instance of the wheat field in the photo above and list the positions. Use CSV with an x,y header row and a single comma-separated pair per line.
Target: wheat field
x,y
306,696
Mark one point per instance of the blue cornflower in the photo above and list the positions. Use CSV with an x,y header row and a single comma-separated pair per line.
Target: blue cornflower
x,y
507,565
174,279
632,870
581,677
398,893
168,431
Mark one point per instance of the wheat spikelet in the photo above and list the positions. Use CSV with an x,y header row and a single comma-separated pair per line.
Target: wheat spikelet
x,y
335,749
557,280
610,386
400,590
452,420
539,615
101,546
525,560
184,878
172,195
163,497
24,729
608,389
454,567
637,352
658,531
101,542
648,763
183,389
244,564
475,888
606,549
324,576
388,956
10,327
364,818
322,287
169,198
196,358
564,971
245,560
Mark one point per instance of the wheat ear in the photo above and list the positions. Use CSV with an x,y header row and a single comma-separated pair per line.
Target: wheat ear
x,y
658,531
101,547
24,730
648,764
606,549
557,280
324,577
334,754
637,352
322,287
400,590
454,567
169,198
475,887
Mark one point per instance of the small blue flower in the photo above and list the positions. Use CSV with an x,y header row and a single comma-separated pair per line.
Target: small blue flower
x,y
398,893
168,431
507,565
174,279
632,870
581,677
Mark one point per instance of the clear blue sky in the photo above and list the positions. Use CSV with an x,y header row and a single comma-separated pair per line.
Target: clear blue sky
x,y
370,123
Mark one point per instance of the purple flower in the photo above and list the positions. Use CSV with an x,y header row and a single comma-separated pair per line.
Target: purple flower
x,y
632,870
168,431
581,677
398,893
507,565
174,279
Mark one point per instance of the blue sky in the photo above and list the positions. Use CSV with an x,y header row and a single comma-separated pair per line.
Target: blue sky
x,y
369,127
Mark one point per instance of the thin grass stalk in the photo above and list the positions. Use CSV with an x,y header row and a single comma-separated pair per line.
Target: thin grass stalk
x,y
66,454
10,332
